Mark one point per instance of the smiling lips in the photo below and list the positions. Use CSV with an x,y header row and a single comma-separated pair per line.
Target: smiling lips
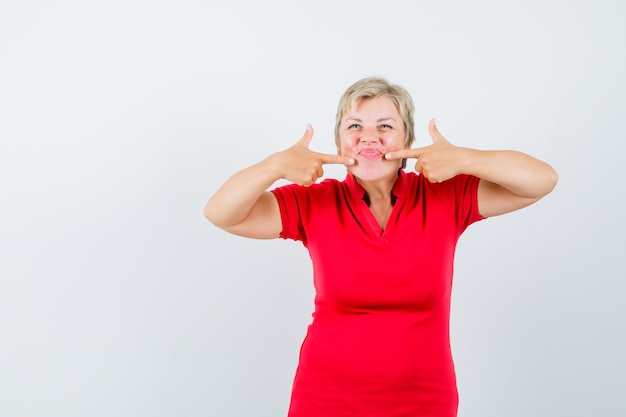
x,y
370,154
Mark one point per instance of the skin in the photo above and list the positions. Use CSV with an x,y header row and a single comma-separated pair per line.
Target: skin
x,y
243,207
372,147
509,180
370,130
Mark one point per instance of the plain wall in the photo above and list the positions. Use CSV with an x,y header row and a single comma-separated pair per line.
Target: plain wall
x,y
118,120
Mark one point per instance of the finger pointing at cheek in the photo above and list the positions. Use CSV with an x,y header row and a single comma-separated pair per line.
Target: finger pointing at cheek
x,y
335,159
403,154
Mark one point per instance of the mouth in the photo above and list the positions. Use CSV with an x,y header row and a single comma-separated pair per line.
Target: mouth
x,y
370,154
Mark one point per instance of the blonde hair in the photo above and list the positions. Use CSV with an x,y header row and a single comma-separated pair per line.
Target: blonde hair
x,y
373,87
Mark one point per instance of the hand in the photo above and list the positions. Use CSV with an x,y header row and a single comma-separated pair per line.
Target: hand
x,y
302,166
437,162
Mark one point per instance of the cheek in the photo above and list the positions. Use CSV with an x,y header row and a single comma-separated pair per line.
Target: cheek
x,y
348,141
395,141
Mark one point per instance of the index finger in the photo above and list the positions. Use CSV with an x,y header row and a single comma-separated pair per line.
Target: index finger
x,y
404,153
334,159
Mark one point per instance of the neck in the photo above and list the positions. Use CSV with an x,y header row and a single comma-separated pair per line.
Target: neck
x,y
379,190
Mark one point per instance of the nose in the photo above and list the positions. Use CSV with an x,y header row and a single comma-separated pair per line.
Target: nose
x,y
369,137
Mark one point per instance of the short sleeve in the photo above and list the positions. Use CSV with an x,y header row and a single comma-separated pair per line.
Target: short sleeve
x,y
461,195
298,207
290,212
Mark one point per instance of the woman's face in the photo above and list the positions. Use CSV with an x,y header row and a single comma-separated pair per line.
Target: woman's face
x,y
367,132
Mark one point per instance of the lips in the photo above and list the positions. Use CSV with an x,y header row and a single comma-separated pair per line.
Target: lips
x,y
370,154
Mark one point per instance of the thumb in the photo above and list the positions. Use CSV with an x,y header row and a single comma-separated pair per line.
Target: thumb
x,y
434,132
305,140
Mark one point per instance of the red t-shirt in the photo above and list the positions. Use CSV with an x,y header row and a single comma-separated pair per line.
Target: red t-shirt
x,y
379,341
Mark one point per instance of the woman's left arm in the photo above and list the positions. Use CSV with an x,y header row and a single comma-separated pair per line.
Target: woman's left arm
x,y
509,180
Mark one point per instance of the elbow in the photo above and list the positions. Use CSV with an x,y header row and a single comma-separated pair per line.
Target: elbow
x,y
546,183
217,215
210,213
543,183
551,180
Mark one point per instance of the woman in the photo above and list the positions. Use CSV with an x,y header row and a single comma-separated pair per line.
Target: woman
x,y
382,244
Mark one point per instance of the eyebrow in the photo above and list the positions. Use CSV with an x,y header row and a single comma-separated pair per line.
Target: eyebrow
x,y
382,119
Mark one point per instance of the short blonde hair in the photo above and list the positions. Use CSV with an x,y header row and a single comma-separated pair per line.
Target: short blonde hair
x,y
373,87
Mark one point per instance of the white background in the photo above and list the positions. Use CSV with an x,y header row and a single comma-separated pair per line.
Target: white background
x,y
118,120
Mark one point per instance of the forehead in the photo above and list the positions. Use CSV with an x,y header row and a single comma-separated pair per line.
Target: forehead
x,y
375,106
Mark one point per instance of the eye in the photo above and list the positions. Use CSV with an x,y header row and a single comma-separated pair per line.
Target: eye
x,y
354,126
385,126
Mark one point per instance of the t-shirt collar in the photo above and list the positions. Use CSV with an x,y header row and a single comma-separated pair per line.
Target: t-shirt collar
x,y
398,190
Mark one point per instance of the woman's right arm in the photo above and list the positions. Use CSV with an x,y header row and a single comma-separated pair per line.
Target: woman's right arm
x,y
243,206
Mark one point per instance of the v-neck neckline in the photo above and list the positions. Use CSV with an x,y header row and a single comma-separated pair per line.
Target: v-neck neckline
x,y
358,195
